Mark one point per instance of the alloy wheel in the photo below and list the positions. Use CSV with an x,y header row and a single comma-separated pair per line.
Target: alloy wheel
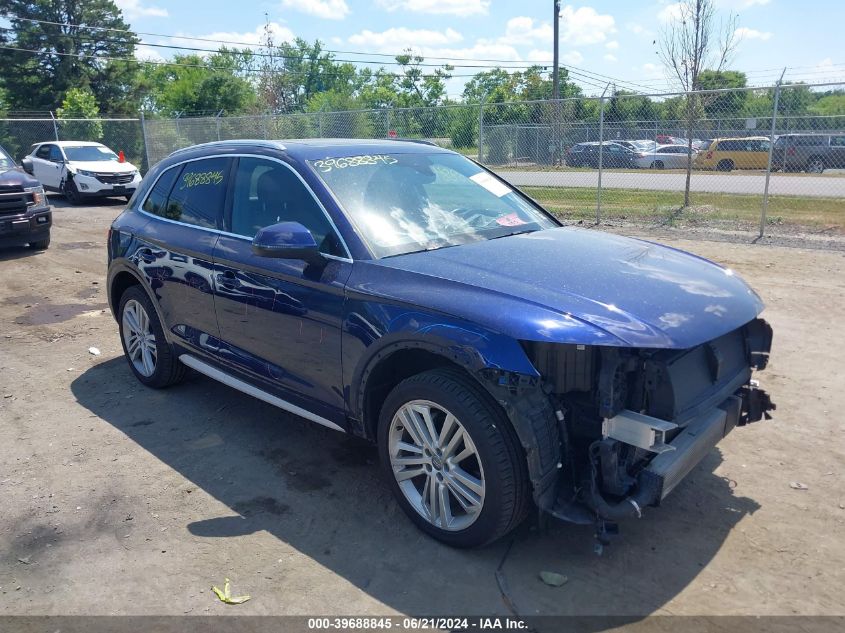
x,y
139,338
436,465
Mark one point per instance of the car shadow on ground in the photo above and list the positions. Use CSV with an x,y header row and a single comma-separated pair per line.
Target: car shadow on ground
x,y
320,492
17,252
58,201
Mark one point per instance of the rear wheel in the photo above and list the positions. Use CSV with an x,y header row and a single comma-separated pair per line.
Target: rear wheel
x,y
658,164
815,165
452,459
150,356
725,165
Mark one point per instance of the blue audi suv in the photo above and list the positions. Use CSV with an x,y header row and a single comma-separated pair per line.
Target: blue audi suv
x,y
402,293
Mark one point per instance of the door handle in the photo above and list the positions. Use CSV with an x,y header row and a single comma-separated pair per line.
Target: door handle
x,y
228,280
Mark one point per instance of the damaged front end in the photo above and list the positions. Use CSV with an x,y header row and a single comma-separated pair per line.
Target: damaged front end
x,y
630,424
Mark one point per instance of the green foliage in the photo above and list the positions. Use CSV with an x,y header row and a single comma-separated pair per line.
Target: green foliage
x,y
80,103
69,57
463,131
201,84
830,105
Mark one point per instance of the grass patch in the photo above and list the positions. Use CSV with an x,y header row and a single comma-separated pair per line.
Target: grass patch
x,y
579,203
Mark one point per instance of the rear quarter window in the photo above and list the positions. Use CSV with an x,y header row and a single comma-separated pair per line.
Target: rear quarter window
x,y
157,199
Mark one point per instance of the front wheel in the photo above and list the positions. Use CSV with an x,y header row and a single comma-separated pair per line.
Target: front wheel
x,y
815,165
452,459
150,356
40,245
72,193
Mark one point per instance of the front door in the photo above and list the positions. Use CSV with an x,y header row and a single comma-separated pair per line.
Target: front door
x,y
48,166
280,319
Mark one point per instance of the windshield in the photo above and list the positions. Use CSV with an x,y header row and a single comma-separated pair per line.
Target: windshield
x,y
6,161
89,153
403,203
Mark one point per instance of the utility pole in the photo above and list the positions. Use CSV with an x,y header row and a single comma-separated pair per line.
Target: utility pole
x,y
555,71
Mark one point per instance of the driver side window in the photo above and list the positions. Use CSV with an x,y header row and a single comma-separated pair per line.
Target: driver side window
x,y
266,192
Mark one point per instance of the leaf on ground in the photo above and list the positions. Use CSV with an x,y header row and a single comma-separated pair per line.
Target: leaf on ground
x,y
226,596
552,579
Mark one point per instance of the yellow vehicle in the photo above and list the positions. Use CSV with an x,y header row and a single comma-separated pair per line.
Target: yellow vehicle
x,y
725,154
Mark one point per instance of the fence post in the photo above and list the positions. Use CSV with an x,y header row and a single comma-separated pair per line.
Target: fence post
x,y
146,142
55,125
387,121
771,147
178,132
481,132
601,152
217,123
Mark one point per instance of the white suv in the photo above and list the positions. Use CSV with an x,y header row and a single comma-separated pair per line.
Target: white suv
x,y
81,169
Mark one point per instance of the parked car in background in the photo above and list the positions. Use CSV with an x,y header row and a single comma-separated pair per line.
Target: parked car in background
x,y
25,216
400,292
587,155
726,154
812,153
639,145
663,157
81,169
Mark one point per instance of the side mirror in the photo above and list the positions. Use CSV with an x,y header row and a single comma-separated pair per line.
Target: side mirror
x,y
286,240
26,163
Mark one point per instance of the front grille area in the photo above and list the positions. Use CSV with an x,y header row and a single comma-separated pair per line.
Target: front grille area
x,y
114,179
14,202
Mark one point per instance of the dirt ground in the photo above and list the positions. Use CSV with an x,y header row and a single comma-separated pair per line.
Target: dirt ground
x,y
117,499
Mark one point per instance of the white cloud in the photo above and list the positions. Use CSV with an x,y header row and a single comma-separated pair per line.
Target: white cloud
x,y
326,9
148,53
612,46
136,9
250,38
585,26
745,33
738,5
397,39
460,8
670,12
638,29
651,71
523,31
610,58
572,57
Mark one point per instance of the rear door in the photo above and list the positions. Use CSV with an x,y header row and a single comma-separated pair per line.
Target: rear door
x,y
280,319
186,210
836,152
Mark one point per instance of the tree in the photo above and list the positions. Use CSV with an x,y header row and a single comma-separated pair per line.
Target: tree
x,y
199,84
692,43
80,103
69,53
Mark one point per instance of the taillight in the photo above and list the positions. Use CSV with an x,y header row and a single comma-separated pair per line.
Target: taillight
x,y
790,151
709,154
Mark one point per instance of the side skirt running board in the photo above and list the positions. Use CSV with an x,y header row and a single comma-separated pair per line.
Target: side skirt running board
x,y
236,383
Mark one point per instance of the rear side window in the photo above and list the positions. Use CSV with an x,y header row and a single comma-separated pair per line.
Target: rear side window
x,y
199,192
837,141
157,200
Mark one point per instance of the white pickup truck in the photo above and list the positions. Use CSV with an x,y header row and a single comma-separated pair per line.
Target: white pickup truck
x,y
81,169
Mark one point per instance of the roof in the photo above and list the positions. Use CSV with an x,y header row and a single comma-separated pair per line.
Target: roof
x,y
71,143
309,149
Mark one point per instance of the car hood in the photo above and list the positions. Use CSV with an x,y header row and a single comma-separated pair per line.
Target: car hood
x,y
15,177
103,166
573,285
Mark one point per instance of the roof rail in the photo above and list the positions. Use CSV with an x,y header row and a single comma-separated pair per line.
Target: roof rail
x,y
242,141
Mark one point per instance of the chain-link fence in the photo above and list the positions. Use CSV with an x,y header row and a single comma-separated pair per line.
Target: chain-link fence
x,y
18,135
750,158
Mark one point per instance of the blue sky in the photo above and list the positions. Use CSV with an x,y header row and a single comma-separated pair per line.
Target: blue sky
x,y
612,38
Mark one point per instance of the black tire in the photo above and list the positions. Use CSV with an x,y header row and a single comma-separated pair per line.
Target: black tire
x,y
725,165
72,193
815,165
168,369
40,245
658,164
507,494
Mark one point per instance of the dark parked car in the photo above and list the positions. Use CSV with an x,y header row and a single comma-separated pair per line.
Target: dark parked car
x,y
812,153
25,216
400,292
587,155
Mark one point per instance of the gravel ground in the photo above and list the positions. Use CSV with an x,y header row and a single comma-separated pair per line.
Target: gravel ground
x,y
117,499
